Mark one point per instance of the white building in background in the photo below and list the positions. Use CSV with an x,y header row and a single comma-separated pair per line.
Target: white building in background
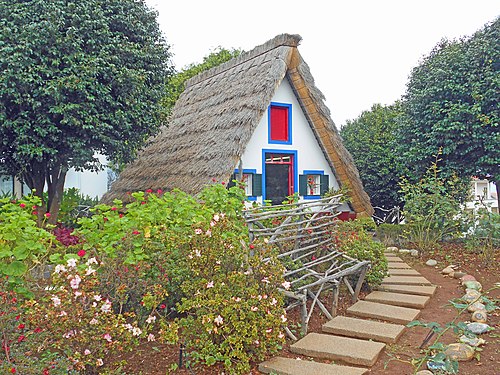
x,y
484,195
92,184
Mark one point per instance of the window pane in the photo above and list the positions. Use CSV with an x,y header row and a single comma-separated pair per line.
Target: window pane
x,y
279,123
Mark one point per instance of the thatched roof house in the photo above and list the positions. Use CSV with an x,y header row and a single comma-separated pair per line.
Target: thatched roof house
x,y
218,126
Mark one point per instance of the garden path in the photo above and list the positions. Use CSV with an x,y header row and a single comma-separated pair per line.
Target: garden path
x,y
356,341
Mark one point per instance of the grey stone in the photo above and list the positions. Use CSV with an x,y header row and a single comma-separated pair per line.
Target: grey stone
x,y
458,274
471,296
405,251
475,307
391,249
397,265
414,253
473,285
431,263
478,328
398,299
447,270
389,313
476,341
406,280
337,348
479,316
424,372
364,329
467,278
290,366
459,352
409,289
403,272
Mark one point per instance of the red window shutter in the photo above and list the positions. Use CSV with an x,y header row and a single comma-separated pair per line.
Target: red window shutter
x,y
279,124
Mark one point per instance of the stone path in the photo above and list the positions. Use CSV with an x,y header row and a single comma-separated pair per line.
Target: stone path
x,y
358,339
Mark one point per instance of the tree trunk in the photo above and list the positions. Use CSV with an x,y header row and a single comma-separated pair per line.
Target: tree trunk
x,y
34,177
55,183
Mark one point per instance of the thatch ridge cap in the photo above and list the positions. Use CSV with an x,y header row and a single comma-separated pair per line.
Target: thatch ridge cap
x,y
289,40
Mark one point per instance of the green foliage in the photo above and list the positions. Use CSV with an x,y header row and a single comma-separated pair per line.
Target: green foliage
x,y
176,84
22,243
371,140
71,204
452,103
432,209
390,234
235,312
77,79
355,241
485,234
79,321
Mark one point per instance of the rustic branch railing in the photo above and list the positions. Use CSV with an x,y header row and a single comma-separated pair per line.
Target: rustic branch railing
x,y
305,234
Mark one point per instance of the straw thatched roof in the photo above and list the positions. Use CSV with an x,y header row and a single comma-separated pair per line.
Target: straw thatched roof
x,y
215,117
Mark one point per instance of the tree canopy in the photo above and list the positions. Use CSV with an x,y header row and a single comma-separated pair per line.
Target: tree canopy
x,y
77,78
451,104
176,86
371,141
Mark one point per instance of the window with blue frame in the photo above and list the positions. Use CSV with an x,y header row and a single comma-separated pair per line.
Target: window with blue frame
x,y
252,182
280,123
313,184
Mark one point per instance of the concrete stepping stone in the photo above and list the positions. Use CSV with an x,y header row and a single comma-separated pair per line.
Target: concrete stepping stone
x,y
364,329
406,280
403,272
418,290
375,310
398,299
290,366
397,265
394,258
338,348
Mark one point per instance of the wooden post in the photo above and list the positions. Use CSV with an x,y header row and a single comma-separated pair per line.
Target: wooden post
x,y
359,284
303,313
335,302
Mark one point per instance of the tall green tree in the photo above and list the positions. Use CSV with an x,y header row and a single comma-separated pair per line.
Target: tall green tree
x,y
176,85
370,139
77,78
452,104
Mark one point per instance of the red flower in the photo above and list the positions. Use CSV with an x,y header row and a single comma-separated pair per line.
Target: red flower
x,y
21,338
37,330
159,191
45,371
213,179
47,215
105,219
17,317
223,183
136,232
81,253
12,370
21,326
34,213
252,246
120,216
22,205
149,191
313,257
163,306
143,202
113,208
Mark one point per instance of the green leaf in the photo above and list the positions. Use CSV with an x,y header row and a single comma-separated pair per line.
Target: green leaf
x,y
15,268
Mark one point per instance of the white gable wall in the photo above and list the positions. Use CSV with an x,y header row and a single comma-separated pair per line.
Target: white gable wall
x,y
309,153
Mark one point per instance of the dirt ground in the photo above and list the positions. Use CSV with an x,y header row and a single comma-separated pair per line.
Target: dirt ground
x,y
155,359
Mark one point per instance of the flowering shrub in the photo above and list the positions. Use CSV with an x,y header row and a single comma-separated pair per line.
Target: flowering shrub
x,y
234,309
22,242
354,241
81,322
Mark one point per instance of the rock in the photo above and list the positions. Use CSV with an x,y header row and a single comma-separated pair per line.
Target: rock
x,y
478,328
467,278
393,249
447,270
479,316
424,372
471,296
405,251
473,285
435,366
414,253
458,274
431,262
476,341
475,307
459,352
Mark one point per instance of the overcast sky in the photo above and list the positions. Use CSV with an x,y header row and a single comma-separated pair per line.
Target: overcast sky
x,y
360,52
